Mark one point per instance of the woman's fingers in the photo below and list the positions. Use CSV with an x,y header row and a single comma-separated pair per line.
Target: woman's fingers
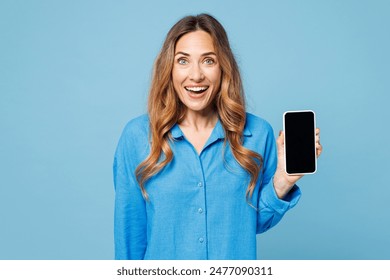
x,y
318,144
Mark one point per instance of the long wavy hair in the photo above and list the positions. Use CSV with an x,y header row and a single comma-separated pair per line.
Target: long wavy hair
x,y
165,108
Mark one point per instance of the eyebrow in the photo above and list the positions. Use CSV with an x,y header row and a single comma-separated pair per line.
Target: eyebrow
x,y
204,54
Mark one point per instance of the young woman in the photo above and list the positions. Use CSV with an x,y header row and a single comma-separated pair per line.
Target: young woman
x,y
198,177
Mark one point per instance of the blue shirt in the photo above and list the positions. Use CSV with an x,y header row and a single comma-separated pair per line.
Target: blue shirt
x,y
197,207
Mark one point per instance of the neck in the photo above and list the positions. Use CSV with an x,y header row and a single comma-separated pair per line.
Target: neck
x,y
200,120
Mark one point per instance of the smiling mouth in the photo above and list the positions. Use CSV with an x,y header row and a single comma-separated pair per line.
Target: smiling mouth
x,y
196,90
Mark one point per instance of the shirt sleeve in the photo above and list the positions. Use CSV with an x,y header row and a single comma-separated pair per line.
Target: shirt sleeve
x,y
271,209
130,212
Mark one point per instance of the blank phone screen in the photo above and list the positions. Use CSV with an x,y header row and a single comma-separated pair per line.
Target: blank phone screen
x,y
300,142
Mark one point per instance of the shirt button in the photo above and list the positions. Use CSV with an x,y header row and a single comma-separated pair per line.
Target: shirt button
x,y
201,240
200,210
200,184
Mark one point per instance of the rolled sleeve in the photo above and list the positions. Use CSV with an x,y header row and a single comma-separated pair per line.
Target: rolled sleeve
x,y
270,199
271,208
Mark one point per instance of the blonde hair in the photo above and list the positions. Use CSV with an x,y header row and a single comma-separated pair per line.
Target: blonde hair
x,y
165,109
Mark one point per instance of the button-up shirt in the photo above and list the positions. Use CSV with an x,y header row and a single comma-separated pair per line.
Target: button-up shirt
x,y
197,208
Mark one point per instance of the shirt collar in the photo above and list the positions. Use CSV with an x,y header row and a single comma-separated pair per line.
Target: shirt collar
x,y
217,133
176,132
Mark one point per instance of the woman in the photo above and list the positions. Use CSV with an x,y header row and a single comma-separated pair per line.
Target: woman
x,y
198,177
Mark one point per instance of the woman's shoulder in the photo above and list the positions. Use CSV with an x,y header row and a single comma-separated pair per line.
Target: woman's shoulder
x,y
137,127
256,124
138,122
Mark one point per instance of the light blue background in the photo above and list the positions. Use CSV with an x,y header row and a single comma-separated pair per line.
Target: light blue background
x,y
72,73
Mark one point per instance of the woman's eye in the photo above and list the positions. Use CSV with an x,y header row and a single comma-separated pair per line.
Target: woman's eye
x,y
182,61
209,61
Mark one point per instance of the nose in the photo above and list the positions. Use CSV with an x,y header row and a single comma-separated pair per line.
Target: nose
x,y
196,73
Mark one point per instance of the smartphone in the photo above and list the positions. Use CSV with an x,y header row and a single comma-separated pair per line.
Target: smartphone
x,y
299,142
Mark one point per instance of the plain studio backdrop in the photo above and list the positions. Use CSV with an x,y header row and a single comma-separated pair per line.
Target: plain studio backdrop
x,y
72,73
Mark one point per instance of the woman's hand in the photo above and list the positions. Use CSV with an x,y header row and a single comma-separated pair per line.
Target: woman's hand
x,y
282,181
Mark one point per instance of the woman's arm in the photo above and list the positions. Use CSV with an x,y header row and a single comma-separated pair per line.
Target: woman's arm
x,y
130,212
278,190
271,208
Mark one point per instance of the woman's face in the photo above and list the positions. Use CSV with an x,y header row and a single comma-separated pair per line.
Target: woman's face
x,y
196,72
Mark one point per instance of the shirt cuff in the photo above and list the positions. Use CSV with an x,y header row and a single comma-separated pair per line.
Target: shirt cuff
x,y
269,198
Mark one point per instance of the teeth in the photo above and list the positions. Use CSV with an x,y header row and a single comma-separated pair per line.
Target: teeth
x,y
196,89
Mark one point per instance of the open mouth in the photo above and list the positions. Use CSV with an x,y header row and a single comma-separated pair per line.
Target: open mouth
x,y
197,90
